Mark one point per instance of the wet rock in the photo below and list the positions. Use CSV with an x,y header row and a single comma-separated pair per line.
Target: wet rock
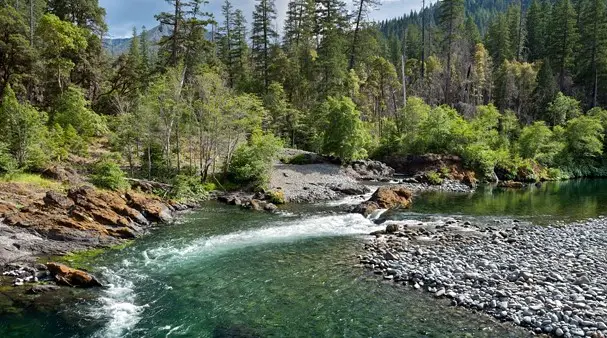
x,y
386,198
71,277
511,184
42,288
152,208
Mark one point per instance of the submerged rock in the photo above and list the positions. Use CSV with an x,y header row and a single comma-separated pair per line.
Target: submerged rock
x,y
65,275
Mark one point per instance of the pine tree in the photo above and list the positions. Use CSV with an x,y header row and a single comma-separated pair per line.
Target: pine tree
x,y
240,52
451,17
535,43
363,8
498,40
592,56
263,34
226,39
545,91
331,19
145,50
563,37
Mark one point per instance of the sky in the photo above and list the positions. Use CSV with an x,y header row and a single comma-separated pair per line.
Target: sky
x,y
123,15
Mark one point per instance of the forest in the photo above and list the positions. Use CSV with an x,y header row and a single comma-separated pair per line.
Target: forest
x,y
516,89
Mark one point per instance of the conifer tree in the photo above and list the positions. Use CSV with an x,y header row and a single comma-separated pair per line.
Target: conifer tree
x,y
451,16
536,31
563,37
263,34
592,56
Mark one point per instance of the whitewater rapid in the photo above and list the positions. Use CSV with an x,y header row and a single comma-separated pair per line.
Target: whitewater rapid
x,y
118,306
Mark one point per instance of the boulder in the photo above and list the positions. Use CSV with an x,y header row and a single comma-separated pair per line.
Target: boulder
x,y
368,170
65,275
349,188
511,184
152,208
386,198
55,199
59,173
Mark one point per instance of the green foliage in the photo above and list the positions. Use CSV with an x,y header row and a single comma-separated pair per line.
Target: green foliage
x,y
563,108
434,178
107,174
23,130
7,161
276,196
538,142
341,130
72,110
252,162
584,136
187,188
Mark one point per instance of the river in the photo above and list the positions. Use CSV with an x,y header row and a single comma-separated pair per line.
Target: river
x,y
224,272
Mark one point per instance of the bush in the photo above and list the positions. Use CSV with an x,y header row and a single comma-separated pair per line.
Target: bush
x,y
7,162
189,189
300,159
252,162
434,178
276,197
108,175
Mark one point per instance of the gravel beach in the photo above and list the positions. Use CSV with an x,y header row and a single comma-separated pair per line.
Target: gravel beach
x,y
551,280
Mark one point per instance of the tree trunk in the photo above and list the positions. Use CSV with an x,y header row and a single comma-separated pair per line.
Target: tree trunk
x,y
353,52
423,66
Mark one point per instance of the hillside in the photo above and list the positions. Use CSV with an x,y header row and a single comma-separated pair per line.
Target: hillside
x,y
119,46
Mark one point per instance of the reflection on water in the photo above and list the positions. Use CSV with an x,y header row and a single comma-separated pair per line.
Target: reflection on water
x,y
553,201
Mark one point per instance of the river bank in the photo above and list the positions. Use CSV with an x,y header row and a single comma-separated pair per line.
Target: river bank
x,y
548,279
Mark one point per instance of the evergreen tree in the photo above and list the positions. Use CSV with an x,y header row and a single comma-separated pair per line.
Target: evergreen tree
x,y
363,7
563,39
592,56
545,91
451,17
263,34
535,44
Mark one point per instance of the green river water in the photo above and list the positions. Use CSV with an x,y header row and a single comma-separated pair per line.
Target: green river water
x,y
223,272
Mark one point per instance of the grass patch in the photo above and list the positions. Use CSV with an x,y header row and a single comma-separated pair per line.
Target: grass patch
x,y
33,179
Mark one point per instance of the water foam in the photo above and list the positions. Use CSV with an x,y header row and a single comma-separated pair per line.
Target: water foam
x,y
116,306
286,231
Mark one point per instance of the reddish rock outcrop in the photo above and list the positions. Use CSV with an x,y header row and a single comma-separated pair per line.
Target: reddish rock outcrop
x,y
386,198
84,214
65,275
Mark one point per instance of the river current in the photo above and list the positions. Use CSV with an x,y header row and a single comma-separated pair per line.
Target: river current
x,y
224,272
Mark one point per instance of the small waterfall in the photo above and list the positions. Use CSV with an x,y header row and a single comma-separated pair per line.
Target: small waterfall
x,y
376,214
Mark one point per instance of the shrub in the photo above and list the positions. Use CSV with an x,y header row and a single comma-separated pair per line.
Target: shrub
x,y
300,159
554,174
434,178
7,162
252,162
108,175
189,189
276,197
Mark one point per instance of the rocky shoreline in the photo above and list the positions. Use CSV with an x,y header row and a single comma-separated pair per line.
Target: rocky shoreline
x,y
551,280
36,223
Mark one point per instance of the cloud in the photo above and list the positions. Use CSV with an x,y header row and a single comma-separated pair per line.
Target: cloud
x,y
123,15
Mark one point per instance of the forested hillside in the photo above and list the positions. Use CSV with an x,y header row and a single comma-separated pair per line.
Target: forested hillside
x,y
514,90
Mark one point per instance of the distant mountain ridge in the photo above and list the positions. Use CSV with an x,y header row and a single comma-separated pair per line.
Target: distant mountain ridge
x,y
119,46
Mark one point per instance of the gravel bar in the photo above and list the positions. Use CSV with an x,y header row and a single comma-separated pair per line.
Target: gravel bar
x,y
551,280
